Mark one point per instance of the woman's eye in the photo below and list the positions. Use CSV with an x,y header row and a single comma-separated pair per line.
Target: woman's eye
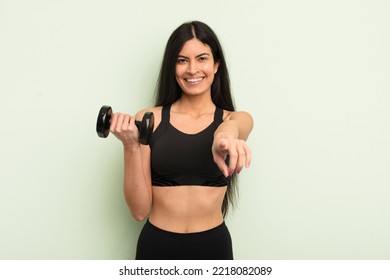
x,y
181,61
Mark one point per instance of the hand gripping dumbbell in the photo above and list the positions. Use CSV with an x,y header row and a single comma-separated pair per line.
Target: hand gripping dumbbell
x,y
145,127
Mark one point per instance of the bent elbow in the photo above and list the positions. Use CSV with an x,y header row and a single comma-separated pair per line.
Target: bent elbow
x,y
140,216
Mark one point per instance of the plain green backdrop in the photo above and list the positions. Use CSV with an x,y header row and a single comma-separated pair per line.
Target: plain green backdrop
x,y
314,75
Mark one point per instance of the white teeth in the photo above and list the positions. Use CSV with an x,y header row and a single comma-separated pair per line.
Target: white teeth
x,y
194,80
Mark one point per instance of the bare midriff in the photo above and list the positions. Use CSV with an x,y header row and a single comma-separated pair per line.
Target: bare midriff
x,y
187,209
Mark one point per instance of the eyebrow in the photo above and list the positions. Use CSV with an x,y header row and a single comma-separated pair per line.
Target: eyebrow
x,y
199,55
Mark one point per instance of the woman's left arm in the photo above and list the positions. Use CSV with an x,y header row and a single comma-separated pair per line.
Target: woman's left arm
x,y
229,139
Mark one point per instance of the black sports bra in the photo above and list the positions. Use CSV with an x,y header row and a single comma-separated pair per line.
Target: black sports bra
x,y
179,159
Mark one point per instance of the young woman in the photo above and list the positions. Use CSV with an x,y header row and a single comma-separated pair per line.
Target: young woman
x,y
183,181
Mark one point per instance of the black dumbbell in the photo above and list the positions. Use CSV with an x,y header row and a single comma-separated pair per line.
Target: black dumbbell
x,y
145,126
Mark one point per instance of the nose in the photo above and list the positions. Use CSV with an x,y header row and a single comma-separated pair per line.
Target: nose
x,y
192,68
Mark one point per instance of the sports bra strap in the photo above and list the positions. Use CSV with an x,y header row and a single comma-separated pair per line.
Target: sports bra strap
x,y
165,114
218,116
165,117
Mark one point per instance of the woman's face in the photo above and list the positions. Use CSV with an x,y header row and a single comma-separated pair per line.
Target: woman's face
x,y
195,68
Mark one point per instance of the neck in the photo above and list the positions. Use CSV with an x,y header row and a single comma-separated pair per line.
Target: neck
x,y
195,104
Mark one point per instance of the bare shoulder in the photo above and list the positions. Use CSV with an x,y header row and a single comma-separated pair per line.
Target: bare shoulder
x,y
156,113
240,116
242,120
155,110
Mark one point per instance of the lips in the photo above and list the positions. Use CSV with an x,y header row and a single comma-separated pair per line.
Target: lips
x,y
194,80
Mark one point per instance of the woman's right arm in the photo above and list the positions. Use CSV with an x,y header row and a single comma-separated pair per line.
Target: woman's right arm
x,y
137,178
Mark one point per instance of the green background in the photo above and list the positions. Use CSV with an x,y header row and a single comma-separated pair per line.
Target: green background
x,y
314,75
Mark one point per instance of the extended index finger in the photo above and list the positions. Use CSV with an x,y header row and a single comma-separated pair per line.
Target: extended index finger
x,y
233,159
219,155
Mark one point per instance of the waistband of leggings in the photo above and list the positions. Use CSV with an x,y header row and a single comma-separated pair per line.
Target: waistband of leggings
x,y
221,227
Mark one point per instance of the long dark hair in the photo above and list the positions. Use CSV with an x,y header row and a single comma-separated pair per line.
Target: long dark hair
x,y
168,90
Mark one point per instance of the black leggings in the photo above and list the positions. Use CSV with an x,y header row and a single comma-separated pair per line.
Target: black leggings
x,y
158,244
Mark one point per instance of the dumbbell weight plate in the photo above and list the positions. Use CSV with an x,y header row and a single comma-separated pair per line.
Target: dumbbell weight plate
x,y
104,121
146,128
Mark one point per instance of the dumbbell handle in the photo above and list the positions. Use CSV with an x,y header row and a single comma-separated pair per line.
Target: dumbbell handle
x,y
145,127
138,124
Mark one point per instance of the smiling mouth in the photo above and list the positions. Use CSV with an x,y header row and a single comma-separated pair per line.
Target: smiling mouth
x,y
194,80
